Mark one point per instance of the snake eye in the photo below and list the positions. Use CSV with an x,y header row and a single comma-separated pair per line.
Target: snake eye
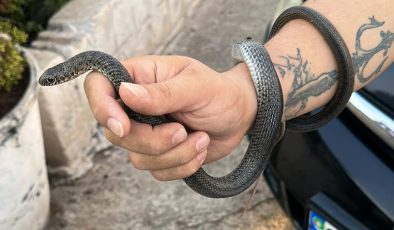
x,y
51,80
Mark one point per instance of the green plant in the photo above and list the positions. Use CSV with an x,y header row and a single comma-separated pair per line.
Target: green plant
x,y
19,18
30,16
12,63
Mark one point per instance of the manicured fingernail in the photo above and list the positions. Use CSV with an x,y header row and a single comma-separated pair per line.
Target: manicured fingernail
x,y
179,136
115,126
202,143
137,90
201,157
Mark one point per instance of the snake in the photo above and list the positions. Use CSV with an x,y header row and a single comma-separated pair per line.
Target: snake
x,y
268,126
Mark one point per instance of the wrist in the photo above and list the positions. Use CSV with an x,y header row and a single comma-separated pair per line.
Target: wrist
x,y
240,75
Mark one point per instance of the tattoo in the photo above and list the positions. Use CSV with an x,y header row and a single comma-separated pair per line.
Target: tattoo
x,y
307,84
361,57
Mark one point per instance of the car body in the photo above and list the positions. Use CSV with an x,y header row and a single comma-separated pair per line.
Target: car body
x,y
341,176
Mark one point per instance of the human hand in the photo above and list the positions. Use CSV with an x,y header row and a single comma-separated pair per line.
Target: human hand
x,y
216,109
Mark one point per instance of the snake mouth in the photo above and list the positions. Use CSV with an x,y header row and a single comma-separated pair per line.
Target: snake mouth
x,y
42,81
46,81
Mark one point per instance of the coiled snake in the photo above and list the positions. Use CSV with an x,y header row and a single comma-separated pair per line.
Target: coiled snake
x,y
267,128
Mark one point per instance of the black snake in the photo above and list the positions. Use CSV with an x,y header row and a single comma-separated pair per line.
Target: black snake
x,y
268,126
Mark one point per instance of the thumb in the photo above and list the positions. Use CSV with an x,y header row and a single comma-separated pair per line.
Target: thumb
x,y
179,94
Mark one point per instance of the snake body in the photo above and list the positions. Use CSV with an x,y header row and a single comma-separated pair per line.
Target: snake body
x,y
256,157
267,128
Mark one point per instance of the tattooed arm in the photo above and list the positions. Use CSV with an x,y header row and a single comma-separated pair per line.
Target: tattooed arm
x,y
305,64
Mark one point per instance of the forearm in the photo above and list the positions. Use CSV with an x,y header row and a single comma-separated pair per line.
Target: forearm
x,y
303,59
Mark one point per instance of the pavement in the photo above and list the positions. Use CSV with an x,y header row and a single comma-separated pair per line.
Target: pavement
x,y
114,195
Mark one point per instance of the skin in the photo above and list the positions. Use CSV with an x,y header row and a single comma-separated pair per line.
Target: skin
x,y
212,111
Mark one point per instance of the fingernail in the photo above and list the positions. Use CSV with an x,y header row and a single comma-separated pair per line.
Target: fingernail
x,y
179,136
115,126
202,143
136,89
201,157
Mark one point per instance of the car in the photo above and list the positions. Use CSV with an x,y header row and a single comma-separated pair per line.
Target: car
x,y
341,176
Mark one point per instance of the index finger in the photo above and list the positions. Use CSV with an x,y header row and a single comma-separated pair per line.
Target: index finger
x,y
105,108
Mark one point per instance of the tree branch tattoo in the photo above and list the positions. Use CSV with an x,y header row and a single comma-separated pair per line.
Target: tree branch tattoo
x,y
307,84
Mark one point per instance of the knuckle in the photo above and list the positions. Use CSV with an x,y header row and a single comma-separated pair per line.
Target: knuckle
x,y
156,147
136,162
152,148
164,93
186,158
164,90
164,134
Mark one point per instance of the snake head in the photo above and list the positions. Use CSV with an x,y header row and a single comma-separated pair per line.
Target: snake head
x,y
51,76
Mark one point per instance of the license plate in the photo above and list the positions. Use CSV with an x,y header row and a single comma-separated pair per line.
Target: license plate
x,y
317,222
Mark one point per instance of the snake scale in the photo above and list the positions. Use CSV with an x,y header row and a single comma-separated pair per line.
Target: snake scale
x,y
268,127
